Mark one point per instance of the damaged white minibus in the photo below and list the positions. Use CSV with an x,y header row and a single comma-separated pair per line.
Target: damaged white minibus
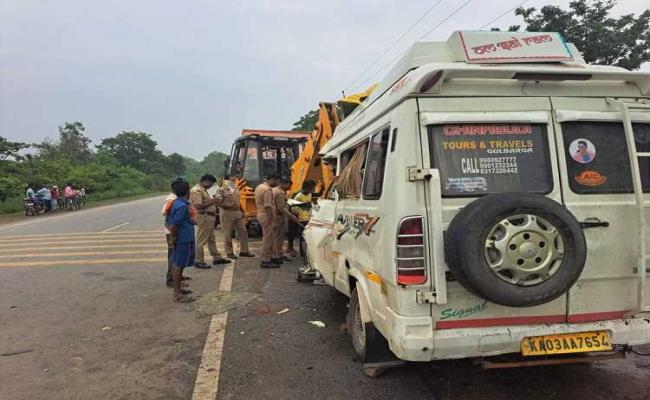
x,y
490,200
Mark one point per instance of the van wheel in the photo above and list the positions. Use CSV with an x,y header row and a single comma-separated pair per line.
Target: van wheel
x,y
356,327
515,249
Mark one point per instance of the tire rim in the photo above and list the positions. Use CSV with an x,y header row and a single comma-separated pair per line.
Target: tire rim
x,y
524,249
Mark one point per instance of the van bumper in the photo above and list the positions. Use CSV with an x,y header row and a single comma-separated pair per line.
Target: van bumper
x,y
414,339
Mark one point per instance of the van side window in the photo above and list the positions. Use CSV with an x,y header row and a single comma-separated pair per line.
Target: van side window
x,y
348,183
375,166
481,158
597,158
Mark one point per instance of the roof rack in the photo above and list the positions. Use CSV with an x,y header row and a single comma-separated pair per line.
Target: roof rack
x,y
640,79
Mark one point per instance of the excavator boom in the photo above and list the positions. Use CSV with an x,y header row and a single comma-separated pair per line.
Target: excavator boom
x,y
309,165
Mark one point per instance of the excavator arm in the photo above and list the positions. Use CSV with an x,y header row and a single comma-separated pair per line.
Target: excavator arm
x,y
310,165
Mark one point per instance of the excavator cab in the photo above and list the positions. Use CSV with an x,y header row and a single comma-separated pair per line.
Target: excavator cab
x,y
257,154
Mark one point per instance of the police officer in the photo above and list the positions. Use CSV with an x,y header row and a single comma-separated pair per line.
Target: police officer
x,y
266,213
207,210
232,218
282,219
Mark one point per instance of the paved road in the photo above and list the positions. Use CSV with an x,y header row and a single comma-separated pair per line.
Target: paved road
x,y
90,318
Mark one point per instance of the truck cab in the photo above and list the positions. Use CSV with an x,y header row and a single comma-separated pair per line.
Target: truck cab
x,y
490,200
257,154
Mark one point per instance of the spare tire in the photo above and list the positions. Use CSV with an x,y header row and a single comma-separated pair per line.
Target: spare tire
x,y
515,249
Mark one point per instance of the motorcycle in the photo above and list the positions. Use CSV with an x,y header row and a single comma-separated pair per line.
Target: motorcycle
x,y
33,207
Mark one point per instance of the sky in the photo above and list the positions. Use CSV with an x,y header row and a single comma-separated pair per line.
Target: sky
x,y
194,73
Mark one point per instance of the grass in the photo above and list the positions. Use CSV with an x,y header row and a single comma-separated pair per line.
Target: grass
x,y
91,202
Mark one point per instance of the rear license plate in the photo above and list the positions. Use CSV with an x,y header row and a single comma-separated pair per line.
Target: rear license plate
x,y
566,343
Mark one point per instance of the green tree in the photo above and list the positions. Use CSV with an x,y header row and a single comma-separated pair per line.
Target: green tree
x,y
602,39
137,150
213,163
9,149
307,122
72,145
176,164
10,183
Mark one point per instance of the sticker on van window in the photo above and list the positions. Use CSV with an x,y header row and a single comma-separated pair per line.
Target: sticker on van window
x,y
489,158
582,151
591,178
467,185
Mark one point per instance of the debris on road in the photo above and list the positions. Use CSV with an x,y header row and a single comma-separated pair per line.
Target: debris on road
x,y
263,310
107,328
15,353
286,310
319,324
216,302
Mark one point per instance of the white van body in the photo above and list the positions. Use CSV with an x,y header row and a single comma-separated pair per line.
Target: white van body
x,y
352,242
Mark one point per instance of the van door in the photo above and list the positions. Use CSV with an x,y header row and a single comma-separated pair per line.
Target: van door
x,y
319,235
597,188
478,146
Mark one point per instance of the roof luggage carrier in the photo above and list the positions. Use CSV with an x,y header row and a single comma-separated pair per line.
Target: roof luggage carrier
x,y
529,73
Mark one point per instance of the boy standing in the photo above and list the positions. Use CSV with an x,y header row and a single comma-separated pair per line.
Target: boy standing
x,y
181,227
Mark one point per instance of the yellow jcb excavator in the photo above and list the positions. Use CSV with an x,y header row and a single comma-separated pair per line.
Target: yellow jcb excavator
x,y
290,154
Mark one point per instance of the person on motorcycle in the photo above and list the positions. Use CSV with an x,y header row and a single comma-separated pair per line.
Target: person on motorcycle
x,y
29,193
70,195
55,196
45,197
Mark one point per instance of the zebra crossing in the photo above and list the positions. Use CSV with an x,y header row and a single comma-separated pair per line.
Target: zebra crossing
x,y
82,248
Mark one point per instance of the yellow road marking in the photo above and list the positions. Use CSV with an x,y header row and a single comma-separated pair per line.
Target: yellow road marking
x,y
125,240
64,263
159,231
108,246
73,238
85,253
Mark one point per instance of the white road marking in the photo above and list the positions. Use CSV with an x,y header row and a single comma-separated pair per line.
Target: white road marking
x,y
115,227
206,385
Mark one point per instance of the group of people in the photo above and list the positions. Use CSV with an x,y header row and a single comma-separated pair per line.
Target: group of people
x,y
51,197
278,220
191,222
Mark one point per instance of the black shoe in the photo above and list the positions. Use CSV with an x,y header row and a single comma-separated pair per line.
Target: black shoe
x,y
269,264
221,261
169,284
201,266
246,254
232,256
276,261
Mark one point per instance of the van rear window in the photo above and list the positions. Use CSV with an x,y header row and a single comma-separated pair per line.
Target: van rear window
x,y
597,158
478,159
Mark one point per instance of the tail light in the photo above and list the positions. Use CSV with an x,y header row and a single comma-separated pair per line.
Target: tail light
x,y
411,268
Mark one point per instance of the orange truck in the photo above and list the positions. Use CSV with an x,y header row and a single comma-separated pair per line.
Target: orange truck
x,y
256,154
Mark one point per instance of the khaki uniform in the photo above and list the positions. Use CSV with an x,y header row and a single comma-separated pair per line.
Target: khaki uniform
x,y
281,219
204,224
263,199
232,218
